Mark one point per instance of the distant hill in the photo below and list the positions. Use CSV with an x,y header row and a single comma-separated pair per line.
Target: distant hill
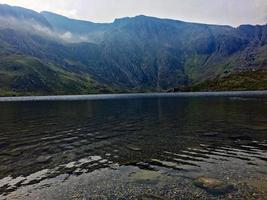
x,y
45,53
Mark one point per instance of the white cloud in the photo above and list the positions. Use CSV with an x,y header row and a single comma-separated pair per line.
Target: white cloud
x,y
35,28
67,36
233,12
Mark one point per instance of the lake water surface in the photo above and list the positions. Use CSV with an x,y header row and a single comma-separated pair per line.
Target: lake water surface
x,y
133,146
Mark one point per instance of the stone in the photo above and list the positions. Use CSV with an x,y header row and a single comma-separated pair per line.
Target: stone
x,y
213,186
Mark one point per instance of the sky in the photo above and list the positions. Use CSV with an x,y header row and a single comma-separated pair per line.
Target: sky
x,y
228,12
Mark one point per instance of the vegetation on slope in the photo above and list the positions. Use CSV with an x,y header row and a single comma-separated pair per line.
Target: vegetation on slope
x,y
20,75
250,80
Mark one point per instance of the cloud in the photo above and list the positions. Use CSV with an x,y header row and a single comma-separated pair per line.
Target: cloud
x,y
233,12
34,27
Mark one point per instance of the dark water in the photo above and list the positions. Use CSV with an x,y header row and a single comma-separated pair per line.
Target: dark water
x,y
133,148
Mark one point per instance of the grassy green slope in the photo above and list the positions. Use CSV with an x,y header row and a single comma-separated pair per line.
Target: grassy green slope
x,y
250,80
22,75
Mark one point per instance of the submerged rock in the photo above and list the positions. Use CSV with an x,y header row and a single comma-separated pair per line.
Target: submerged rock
x,y
213,186
148,178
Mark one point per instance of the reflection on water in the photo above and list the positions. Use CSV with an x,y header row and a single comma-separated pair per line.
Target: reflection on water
x,y
180,136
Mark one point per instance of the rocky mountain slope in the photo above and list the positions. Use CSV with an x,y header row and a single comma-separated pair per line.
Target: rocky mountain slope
x,y
45,53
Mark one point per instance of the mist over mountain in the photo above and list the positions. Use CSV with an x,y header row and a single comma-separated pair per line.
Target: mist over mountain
x,y
45,53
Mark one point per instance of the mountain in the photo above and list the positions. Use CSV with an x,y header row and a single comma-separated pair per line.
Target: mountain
x,y
21,14
83,31
45,53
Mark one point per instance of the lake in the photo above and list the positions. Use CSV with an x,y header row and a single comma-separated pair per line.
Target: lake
x,y
140,146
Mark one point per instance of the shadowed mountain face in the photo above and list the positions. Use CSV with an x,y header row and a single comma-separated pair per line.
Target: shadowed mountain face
x,y
140,53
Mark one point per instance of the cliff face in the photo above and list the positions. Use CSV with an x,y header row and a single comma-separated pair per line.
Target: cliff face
x,y
50,54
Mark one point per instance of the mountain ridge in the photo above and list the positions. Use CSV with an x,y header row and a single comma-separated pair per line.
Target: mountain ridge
x,y
131,54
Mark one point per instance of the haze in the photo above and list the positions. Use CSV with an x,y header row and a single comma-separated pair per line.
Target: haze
x,y
230,12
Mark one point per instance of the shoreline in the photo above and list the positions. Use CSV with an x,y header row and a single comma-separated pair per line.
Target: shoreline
x,y
133,95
